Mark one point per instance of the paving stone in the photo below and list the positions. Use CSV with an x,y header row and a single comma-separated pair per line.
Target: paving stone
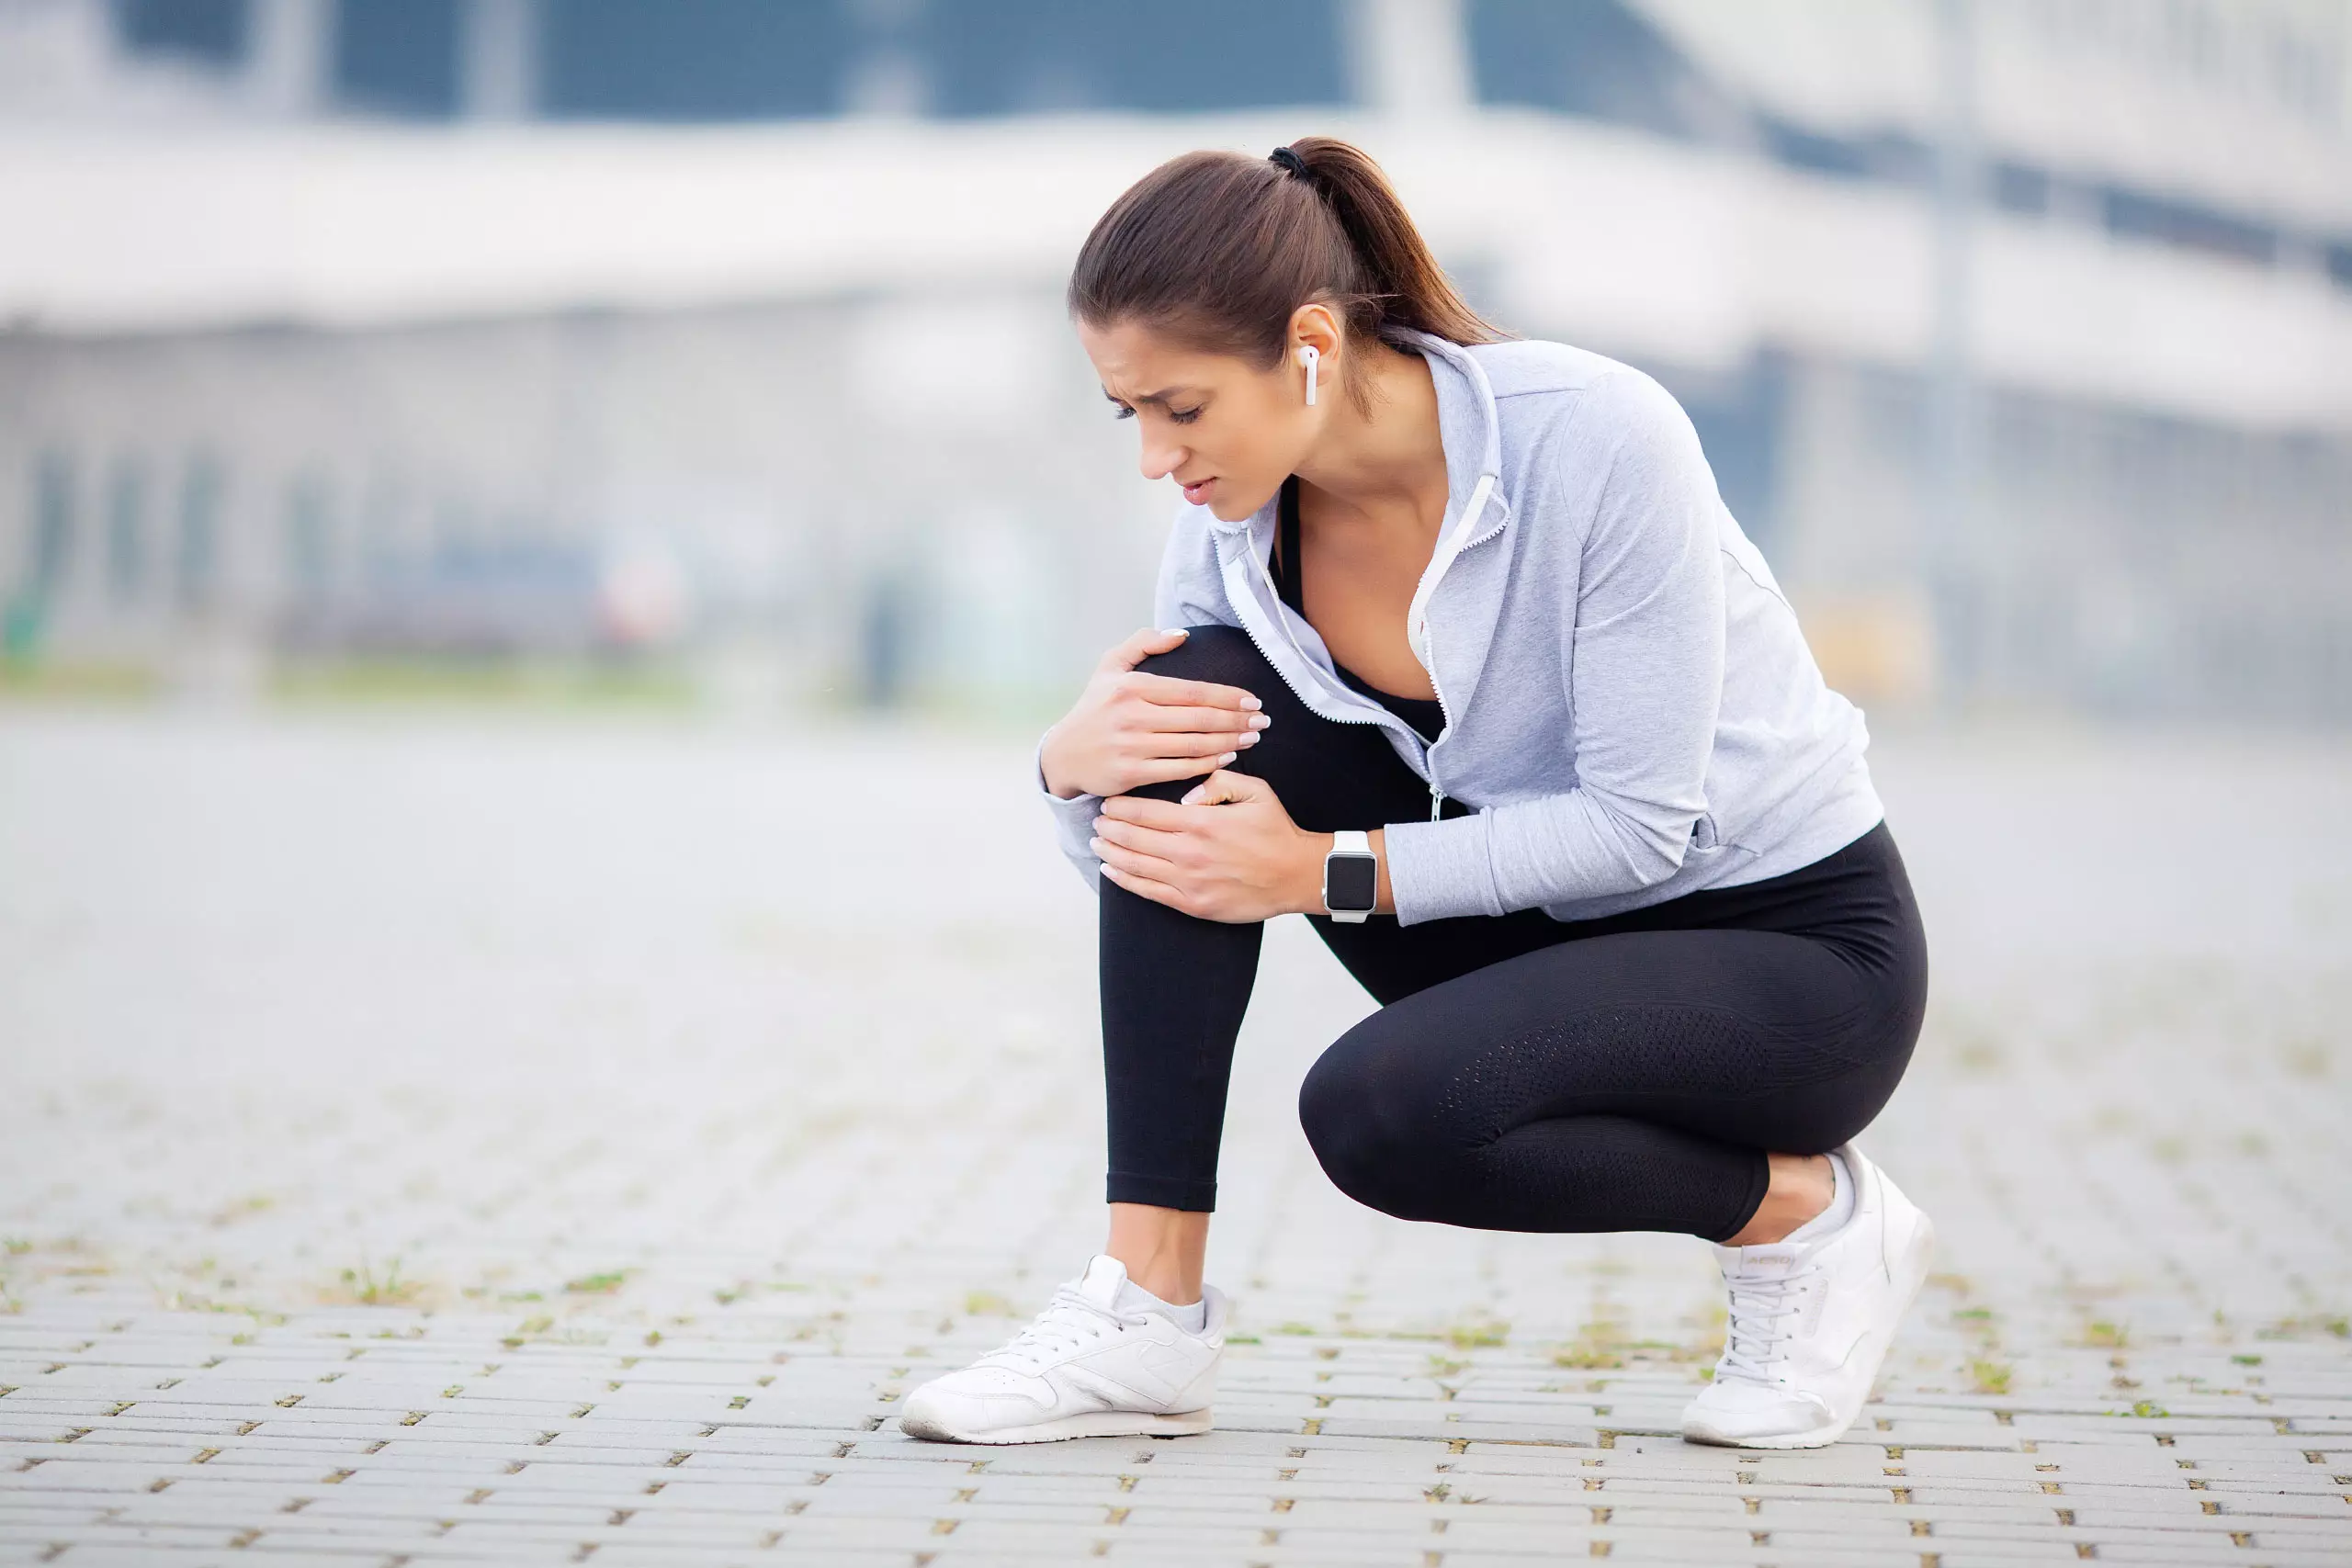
x,y
594,1149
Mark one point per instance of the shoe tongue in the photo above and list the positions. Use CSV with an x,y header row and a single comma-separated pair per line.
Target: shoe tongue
x,y
1763,1258
1104,1274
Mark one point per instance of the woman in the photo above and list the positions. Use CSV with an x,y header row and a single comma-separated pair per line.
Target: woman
x,y
1485,680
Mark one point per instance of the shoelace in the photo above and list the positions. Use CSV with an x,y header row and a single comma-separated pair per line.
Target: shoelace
x,y
1068,1321
1751,1338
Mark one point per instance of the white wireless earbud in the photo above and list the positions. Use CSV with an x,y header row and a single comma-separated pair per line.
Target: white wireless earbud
x,y
1308,357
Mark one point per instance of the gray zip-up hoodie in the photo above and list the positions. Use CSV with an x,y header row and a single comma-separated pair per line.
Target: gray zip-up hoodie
x,y
1630,705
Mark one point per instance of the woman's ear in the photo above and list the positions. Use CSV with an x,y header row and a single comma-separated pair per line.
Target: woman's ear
x,y
1315,324
1314,337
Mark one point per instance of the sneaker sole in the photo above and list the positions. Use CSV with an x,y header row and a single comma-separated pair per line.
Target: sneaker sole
x,y
1914,1261
1087,1424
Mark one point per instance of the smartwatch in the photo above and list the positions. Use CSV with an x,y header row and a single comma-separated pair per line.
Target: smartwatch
x,y
1350,880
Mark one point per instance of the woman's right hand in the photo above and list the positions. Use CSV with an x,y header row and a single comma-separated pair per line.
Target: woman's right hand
x,y
1129,729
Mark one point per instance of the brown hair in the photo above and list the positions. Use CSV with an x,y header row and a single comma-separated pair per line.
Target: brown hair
x,y
1217,249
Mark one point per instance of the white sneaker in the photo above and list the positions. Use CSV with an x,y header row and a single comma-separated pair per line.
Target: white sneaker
x,y
1085,1368
1810,1321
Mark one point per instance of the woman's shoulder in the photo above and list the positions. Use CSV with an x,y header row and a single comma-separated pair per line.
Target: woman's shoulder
x,y
1536,367
1546,389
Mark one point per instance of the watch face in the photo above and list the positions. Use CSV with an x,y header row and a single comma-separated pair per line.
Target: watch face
x,y
1348,882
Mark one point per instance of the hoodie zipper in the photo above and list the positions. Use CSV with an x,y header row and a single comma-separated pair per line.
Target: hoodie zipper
x,y
1476,505
1478,498
1267,654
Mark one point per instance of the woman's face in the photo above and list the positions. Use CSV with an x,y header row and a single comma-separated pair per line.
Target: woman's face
x,y
1226,432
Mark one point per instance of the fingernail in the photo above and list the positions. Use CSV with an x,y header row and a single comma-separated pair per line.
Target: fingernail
x,y
1174,631
1228,758
1259,720
1251,703
1249,740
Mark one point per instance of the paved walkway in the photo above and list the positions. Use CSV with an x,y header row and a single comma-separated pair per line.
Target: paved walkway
x,y
516,1142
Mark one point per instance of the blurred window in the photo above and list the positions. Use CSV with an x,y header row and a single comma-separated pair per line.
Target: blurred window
x,y
212,31
398,56
1815,151
1894,409
1599,59
2019,187
309,543
991,57
1890,155
126,529
199,530
2138,215
52,545
693,60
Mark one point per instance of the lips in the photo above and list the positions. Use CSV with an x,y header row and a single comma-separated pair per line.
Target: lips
x,y
1192,492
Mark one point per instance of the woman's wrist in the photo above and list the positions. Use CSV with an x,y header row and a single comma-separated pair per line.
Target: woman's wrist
x,y
1059,788
1383,900
1311,881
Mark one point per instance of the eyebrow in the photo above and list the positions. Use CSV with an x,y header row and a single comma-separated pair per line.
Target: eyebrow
x,y
1159,396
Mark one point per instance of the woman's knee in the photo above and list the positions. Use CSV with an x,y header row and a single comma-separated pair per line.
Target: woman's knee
x,y
1373,1144
1221,655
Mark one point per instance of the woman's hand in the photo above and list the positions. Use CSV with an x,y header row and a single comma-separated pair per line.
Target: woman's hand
x,y
1228,851
1128,729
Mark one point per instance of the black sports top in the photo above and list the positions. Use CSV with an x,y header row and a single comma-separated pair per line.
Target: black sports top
x,y
1425,715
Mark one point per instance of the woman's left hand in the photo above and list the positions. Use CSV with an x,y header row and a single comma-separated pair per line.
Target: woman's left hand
x,y
1228,853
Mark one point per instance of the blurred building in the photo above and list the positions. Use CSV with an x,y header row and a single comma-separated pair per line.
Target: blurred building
x,y
2019,332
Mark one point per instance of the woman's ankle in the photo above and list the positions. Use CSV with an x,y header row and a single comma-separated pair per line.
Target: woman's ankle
x,y
1163,1249
1802,1187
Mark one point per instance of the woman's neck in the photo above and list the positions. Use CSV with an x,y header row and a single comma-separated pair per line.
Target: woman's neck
x,y
1385,467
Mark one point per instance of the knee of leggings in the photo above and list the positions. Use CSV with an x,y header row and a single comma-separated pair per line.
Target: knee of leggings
x,y
1359,1140
1220,654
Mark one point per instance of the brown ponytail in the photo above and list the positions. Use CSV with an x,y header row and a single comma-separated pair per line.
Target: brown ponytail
x,y
1217,249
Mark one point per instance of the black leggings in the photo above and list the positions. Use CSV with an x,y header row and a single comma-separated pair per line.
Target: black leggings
x,y
1522,1073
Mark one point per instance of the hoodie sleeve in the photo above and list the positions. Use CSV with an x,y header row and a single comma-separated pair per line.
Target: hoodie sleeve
x,y
1189,591
1645,681
1073,823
